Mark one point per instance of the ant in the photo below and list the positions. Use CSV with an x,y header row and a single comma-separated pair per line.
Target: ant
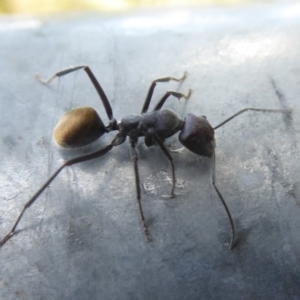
x,y
82,126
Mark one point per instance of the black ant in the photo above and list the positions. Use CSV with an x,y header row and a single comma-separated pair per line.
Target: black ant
x,y
82,126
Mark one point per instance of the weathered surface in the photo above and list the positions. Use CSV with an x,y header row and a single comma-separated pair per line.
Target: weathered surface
x,y
83,239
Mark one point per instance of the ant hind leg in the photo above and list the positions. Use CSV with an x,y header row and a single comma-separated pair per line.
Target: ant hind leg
x,y
94,81
94,155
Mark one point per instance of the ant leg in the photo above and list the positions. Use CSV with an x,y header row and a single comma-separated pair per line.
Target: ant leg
x,y
93,79
152,86
161,102
44,186
287,111
135,158
170,158
224,203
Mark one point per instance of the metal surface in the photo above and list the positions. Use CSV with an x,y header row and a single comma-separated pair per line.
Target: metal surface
x,y
83,239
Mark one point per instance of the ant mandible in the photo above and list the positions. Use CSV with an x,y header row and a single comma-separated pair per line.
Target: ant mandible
x,y
82,126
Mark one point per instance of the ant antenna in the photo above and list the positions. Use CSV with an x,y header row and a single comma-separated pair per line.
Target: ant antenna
x,y
287,111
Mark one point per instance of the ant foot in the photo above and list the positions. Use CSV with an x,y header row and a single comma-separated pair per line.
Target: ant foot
x,y
184,76
42,81
146,231
171,196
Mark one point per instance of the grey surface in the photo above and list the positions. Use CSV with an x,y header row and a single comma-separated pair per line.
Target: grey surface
x,y
83,239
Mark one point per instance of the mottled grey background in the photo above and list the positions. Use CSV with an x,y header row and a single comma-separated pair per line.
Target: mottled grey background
x,y
83,239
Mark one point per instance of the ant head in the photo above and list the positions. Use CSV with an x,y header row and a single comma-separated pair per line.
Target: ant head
x,y
197,135
78,127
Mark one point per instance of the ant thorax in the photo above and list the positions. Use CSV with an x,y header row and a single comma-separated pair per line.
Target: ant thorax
x,y
129,126
164,123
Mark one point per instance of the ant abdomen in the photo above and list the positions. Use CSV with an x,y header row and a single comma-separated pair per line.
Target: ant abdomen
x,y
78,127
197,135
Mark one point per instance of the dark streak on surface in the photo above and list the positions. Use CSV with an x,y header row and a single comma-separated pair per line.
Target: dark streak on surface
x,y
275,166
287,118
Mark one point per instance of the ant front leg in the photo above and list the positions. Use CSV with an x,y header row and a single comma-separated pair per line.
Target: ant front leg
x,y
152,86
224,203
94,81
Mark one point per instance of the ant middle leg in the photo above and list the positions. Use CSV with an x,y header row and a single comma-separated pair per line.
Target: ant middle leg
x,y
94,81
170,158
152,86
135,158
